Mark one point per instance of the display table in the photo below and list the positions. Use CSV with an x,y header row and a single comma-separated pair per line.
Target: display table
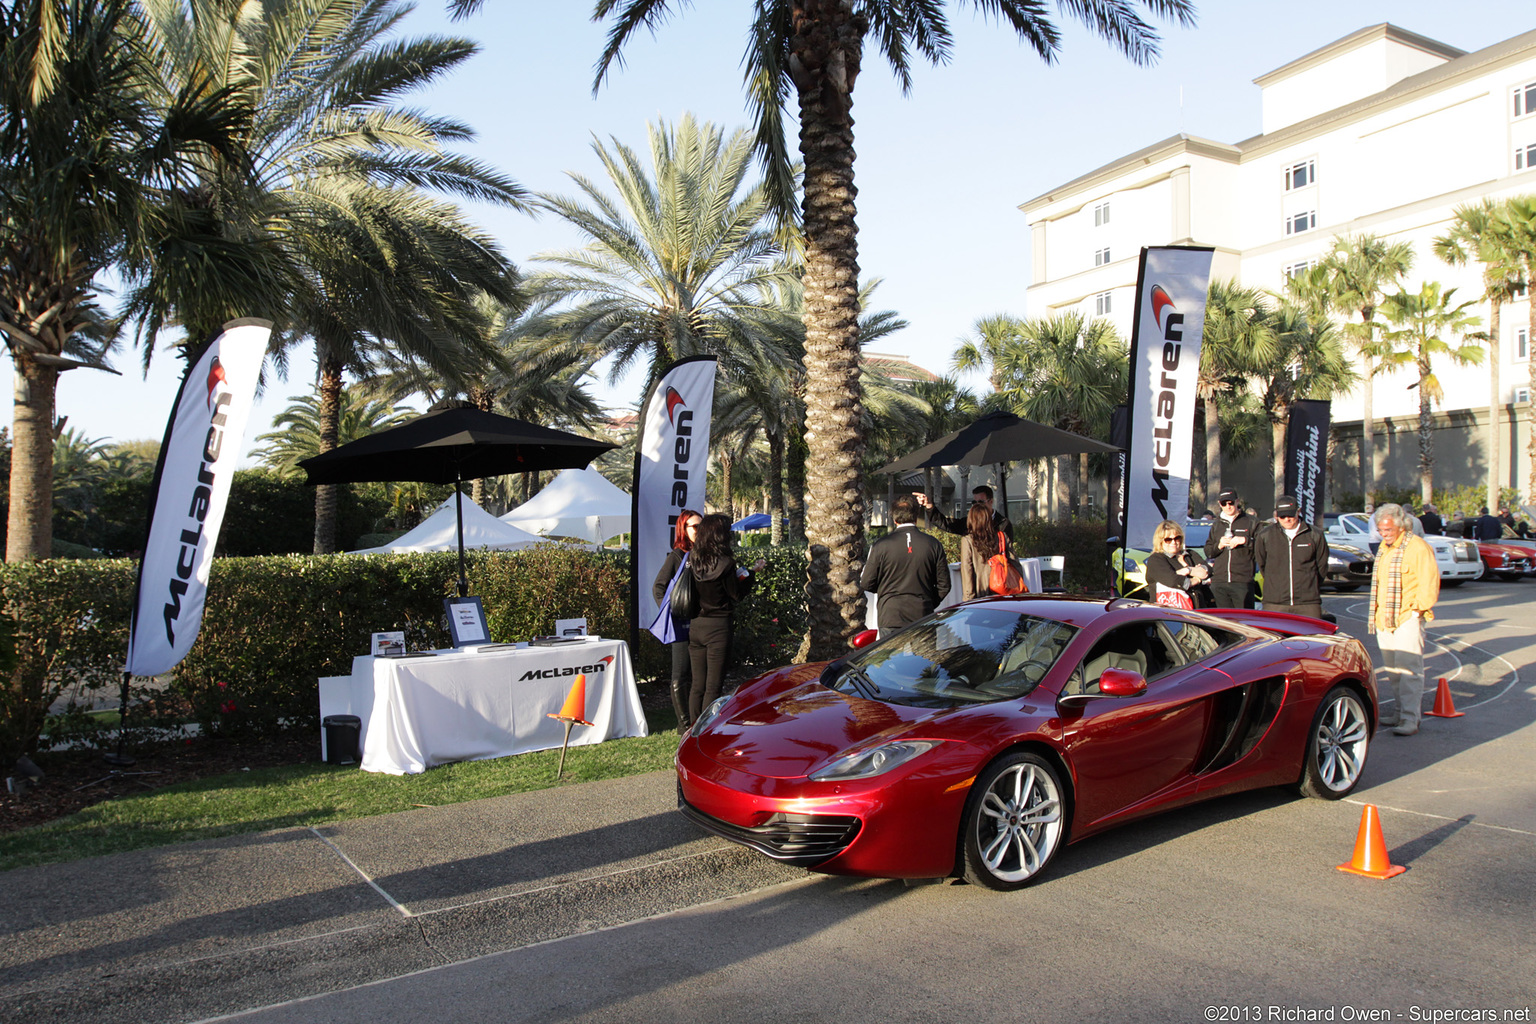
x,y
421,711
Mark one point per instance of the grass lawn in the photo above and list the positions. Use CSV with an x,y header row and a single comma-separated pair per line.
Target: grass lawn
x,y
315,794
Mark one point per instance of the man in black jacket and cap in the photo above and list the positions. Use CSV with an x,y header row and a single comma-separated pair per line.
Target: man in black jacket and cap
x,y
1229,554
1293,556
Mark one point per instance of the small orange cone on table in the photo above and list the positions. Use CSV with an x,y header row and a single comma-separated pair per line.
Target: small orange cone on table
x,y
1445,707
573,712
1370,857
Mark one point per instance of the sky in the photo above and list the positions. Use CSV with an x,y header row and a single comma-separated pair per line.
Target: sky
x,y
941,172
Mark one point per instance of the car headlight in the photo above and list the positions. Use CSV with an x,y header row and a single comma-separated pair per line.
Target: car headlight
x,y
866,764
709,715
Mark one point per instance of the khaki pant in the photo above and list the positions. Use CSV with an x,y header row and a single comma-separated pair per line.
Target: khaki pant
x,y
1402,662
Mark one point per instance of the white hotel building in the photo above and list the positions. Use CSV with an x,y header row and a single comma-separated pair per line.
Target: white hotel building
x,y
1383,132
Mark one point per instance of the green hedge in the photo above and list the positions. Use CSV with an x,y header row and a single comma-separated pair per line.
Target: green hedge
x,y
273,625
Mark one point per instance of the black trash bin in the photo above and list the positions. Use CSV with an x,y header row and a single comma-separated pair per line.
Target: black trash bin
x,y
342,733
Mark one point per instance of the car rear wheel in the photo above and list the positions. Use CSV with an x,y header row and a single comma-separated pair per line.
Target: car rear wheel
x,y
1341,735
1015,821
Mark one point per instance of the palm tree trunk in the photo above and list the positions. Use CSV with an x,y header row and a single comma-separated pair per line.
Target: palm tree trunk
x,y
327,496
1212,450
1277,424
30,520
794,485
776,487
1426,435
727,463
825,53
1495,401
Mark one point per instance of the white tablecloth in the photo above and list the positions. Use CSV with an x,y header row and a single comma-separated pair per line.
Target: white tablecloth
x,y
418,712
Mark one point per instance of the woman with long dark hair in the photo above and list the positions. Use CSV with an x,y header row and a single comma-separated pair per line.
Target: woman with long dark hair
x,y
682,543
977,546
720,584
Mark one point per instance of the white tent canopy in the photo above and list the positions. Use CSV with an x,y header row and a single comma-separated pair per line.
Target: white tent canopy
x,y
440,532
578,503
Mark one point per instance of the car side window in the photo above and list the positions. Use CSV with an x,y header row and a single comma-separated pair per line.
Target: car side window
x,y
1193,642
1138,646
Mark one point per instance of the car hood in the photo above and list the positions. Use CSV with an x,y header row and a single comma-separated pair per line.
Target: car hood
x,y
790,732
1505,550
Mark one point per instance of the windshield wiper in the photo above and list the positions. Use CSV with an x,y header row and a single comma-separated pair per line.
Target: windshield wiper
x,y
866,687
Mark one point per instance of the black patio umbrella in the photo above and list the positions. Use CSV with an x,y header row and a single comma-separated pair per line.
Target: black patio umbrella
x,y
449,447
996,438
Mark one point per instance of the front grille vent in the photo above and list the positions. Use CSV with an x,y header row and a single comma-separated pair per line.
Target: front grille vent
x,y
803,840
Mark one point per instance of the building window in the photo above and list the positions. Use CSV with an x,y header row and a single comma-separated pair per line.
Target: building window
x,y
1301,175
1296,270
1522,344
1300,222
1525,99
1522,394
1525,157
1101,256
1101,304
1101,215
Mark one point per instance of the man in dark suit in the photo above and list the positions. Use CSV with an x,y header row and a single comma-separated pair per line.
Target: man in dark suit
x,y
1488,526
906,570
1431,521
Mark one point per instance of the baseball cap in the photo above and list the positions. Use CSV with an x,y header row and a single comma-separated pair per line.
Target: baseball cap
x,y
1286,506
1226,496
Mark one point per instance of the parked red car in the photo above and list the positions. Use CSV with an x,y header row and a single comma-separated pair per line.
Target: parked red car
x,y
980,740
1505,561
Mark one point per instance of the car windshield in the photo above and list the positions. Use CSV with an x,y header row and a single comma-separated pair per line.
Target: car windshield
x,y
972,654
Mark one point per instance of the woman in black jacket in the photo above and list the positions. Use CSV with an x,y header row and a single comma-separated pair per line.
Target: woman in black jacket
x,y
1176,576
720,584
682,542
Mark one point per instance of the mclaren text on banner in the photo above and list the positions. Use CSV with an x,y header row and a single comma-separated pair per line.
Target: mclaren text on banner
x,y
671,458
1165,368
197,462
1306,456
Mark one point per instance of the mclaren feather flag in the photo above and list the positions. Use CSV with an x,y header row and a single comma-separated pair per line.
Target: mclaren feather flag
x,y
671,459
197,462
1165,369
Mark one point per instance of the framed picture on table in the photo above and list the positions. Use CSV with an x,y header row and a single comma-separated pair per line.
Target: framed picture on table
x,y
466,621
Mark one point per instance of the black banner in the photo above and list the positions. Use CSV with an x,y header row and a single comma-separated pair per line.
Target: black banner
x,y
1306,457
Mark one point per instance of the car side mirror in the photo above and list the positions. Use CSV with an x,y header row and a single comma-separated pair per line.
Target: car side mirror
x,y
864,638
1122,682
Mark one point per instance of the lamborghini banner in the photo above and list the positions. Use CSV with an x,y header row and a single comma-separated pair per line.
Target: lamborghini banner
x,y
197,462
671,460
1306,456
1165,368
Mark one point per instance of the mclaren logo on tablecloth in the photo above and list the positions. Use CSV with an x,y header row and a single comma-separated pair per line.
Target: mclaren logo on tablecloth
x,y
197,462
671,459
1165,367
601,665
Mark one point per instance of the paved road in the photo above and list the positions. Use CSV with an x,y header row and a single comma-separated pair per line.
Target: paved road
x,y
592,904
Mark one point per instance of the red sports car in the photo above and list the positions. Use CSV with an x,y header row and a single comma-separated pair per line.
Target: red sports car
x,y
1505,561
979,741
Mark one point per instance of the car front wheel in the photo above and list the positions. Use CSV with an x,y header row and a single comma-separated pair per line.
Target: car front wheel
x,y
1336,749
1015,821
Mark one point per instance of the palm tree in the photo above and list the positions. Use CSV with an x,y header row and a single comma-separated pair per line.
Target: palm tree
x,y
1351,279
1422,317
337,216
1067,371
1484,233
812,50
89,146
675,265
1239,337
1520,212
1307,360
297,430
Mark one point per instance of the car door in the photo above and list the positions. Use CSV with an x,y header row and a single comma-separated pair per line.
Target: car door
x,y
1129,753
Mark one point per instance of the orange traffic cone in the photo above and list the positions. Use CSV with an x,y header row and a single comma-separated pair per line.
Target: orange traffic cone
x,y
1444,706
572,713
1370,857
575,708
